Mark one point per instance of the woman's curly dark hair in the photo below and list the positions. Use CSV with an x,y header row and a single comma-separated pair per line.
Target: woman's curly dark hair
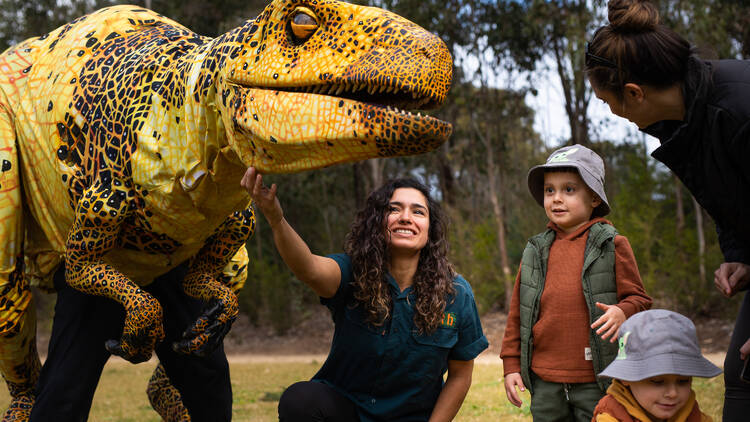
x,y
367,245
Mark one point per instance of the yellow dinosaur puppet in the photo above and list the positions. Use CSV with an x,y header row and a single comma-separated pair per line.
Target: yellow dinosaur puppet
x,y
123,137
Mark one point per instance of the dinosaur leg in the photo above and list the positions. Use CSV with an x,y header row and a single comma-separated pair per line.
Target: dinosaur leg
x,y
19,363
204,282
96,230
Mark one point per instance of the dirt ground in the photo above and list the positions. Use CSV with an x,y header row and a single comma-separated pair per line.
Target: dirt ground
x,y
311,339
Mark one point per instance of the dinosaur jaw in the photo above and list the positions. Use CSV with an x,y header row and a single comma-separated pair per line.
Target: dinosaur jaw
x,y
287,131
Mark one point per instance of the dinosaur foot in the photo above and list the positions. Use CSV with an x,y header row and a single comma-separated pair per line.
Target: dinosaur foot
x,y
19,409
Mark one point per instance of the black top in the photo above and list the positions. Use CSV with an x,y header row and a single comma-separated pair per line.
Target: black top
x,y
707,150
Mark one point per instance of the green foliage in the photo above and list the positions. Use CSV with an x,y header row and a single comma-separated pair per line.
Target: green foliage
x,y
642,197
473,247
21,19
209,18
273,295
719,28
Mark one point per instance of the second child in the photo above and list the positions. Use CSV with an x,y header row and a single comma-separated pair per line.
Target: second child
x,y
653,372
577,284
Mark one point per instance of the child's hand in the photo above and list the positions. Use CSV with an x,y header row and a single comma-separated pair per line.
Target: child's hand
x,y
610,322
512,381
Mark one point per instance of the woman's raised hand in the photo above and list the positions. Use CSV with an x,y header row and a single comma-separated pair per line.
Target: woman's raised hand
x,y
263,197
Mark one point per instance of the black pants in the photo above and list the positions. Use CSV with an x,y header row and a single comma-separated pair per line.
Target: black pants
x,y
76,355
309,401
737,393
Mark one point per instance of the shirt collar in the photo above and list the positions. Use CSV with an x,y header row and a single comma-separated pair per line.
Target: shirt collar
x,y
580,231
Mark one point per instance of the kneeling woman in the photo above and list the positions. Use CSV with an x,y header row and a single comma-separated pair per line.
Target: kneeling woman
x,y
402,315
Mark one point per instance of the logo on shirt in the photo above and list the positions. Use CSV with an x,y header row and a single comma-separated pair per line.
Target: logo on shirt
x,y
449,320
622,342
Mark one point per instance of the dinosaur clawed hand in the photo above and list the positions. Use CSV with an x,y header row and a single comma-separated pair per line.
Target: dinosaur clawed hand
x,y
19,408
208,331
143,330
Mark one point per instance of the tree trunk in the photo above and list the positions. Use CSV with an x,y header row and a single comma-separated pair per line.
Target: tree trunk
x,y
680,207
258,242
576,101
445,172
497,211
358,185
701,240
326,211
375,168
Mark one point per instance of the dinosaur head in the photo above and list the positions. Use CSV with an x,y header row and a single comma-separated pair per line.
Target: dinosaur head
x,y
317,83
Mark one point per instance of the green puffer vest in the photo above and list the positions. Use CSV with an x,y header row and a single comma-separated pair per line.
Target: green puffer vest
x,y
598,278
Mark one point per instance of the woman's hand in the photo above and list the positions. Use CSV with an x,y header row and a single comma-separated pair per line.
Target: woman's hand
x,y
321,273
512,381
745,350
610,322
454,390
264,197
731,277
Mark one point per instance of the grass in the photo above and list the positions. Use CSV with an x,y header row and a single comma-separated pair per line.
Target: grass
x,y
257,386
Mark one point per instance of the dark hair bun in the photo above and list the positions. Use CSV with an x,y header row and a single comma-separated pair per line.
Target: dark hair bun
x,y
633,15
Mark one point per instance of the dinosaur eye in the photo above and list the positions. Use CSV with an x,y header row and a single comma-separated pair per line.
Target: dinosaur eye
x,y
303,24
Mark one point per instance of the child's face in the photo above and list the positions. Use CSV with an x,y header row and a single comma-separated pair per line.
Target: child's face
x,y
568,202
661,396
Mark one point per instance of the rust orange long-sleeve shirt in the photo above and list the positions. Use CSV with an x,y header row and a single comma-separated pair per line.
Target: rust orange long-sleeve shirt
x,y
561,333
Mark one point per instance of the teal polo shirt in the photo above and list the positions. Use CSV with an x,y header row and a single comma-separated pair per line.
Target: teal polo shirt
x,y
391,372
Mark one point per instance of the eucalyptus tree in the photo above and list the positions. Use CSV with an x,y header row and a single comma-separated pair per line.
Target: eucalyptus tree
x,y
533,35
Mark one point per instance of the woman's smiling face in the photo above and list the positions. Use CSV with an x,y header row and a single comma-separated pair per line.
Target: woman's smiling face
x,y
407,220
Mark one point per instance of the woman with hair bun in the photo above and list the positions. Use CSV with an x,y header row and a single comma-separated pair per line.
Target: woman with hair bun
x,y
402,316
700,112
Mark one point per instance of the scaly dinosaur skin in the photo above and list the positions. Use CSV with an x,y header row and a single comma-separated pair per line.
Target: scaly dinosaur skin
x,y
123,136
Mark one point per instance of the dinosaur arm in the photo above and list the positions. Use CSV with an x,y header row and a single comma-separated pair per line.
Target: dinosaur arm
x,y
99,215
203,281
